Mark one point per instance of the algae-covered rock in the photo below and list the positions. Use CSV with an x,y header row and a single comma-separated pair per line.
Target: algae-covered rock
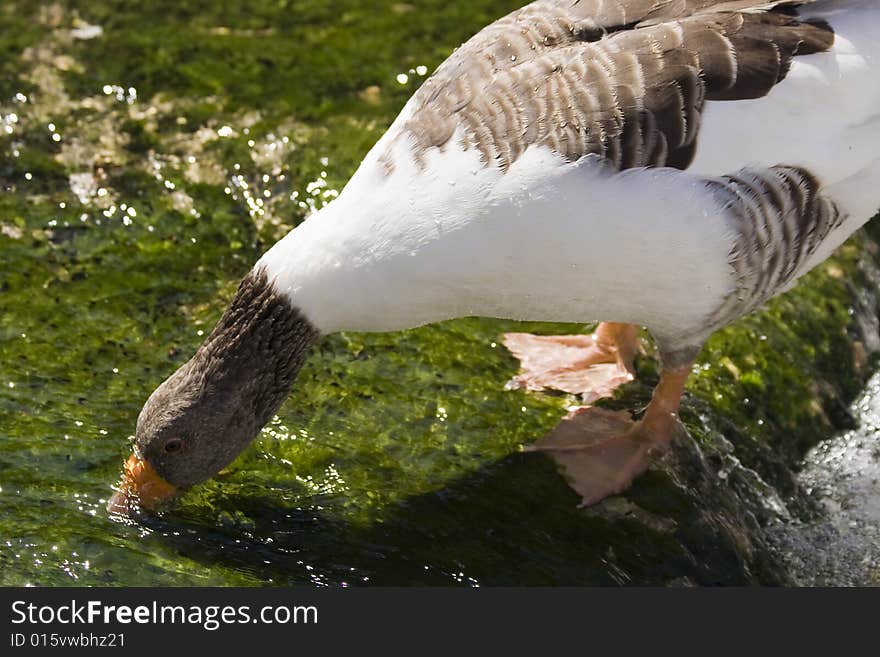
x,y
145,169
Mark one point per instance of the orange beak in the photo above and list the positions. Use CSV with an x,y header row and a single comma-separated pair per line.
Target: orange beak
x,y
141,486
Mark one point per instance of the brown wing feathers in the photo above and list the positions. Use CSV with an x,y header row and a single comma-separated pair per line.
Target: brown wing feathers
x,y
624,79
780,218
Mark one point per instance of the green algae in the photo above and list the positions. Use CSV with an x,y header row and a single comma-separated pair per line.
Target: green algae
x,y
396,459
782,377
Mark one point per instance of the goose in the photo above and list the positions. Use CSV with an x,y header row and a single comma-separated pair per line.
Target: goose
x,y
667,164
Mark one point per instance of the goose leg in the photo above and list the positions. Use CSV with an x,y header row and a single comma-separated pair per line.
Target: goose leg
x,y
589,365
603,451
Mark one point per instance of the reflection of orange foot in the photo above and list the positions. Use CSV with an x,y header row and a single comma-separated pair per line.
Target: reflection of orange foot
x,y
592,366
603,451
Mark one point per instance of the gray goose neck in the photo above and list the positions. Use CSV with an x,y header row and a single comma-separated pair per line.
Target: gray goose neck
x,y
218,401
258,346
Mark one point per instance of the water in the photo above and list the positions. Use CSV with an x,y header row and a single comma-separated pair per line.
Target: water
x,y
841,547
149,153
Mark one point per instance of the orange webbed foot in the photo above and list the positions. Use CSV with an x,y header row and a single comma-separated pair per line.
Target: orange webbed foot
x,y
603,451
592,366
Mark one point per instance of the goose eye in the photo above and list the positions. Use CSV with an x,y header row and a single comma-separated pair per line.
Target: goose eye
x,y
173,445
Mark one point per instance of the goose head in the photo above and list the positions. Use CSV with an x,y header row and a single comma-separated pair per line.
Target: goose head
x,y
200,418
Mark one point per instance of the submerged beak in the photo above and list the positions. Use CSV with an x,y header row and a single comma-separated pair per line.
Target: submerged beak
x,y
141,486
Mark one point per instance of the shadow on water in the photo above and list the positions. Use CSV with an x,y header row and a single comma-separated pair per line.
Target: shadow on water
x,y
514,522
